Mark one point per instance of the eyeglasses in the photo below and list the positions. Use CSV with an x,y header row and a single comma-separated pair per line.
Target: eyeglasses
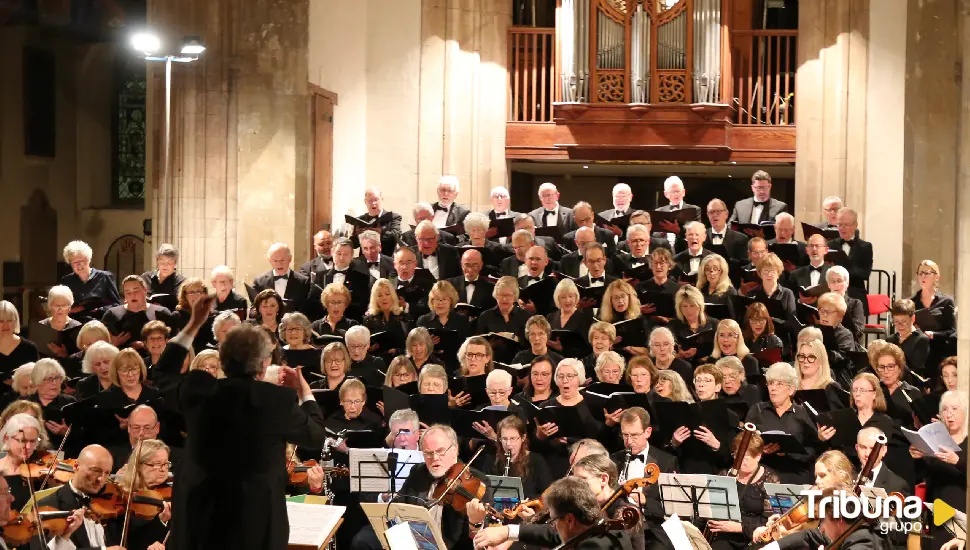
x,y
726,335
823,311
716,212
567,376
194,292
661,345
25,442
353,402
926,273
135,428
628,436
129,370
52,380
358,346
637,242
891,366
861,391
404,374
496,393
475,355
438,453
806,358
157,465
698,380
334,361
515,439
732,377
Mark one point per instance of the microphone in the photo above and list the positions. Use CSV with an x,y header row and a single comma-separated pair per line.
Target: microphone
x,y
392,469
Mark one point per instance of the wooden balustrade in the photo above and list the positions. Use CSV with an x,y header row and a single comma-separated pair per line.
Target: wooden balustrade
x,y
763,64
533,74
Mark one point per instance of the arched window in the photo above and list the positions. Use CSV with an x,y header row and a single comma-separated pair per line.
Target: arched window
x,y
128,129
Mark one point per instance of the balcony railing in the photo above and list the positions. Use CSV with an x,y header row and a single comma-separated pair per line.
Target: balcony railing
x,y
532,73
763,68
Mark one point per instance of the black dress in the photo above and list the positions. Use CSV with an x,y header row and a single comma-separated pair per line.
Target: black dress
x,y
447,355
579,322
89,386
52,411
232,302
557,454
67,338
25,352
397,327
100,287
491,320
323,328
793,467
765,341
947,482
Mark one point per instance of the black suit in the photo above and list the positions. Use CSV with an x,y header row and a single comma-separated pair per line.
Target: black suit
x,y
316,265
682,259
456,213
735,242
603,236
891,482
297,288
241,503
653,509
481,296
449,263
655,243
66,499
608,215
356,282
454,525
565,221
385,265
860,260
390,224
233,302
569,264
408,240
802,277
584,281
743,208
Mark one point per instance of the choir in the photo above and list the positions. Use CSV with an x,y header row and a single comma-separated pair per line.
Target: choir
x,y
585,354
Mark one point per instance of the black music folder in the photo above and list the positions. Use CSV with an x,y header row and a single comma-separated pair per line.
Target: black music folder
x,y
663,302
504,227
473,386
567,418
808,230
574,344
764,230
715,415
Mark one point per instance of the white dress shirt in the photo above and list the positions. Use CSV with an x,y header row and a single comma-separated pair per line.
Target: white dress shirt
x,y
469,290
280,284
756,214
431,264
441,217
523,270
717,238
695,262
551,218
340,277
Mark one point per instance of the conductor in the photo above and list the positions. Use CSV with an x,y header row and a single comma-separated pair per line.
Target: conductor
x,y
230,491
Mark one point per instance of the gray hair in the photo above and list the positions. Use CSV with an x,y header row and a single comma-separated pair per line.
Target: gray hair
x,y
97,351
298,319
499,190
672,181
222,319
612,357
443,428
782,372
426,224
77,248
19,373
18,422
371,236
60,292
621,187
244,351
421,207
476,219
837,270
500,376
449,181
564,286
167,250
636,228
278,246
357,333
784,216
661,332
44,368
575,364
8,312
809,333
222,270
405,416
954,396
433,371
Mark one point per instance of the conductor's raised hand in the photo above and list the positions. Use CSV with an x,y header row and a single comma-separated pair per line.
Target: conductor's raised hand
x,y
200,312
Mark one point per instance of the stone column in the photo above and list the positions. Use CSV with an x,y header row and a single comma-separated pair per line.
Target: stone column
x,y
830,93
463,96
962,225
240,134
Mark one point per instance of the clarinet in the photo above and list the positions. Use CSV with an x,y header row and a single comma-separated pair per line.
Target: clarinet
x,y
626,465
508,463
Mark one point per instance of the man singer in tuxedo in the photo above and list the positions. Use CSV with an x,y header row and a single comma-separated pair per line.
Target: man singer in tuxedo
x,y
761,207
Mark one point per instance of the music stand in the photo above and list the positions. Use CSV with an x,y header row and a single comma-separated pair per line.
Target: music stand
x,y
697,496
507,491
368,469
418,527
312,526
782,496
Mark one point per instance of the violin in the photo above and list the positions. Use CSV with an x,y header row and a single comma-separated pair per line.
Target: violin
x,y
298,473
112,502
458,487
535,505
47,466
20,528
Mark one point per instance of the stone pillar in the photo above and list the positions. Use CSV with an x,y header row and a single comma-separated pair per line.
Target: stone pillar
x,y
830,91
240,134
962,225
463,96
933,118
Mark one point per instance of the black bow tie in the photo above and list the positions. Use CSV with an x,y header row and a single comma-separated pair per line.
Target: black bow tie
x,y
341,271
550,212
432,255
718,235
599,279
849,242
278,277
619,213
500,214
470,283
439,207
640,456
373,264
530,278
813,268
756,203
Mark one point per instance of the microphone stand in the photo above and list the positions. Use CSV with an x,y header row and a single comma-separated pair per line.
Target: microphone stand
x,y
392,465
33,500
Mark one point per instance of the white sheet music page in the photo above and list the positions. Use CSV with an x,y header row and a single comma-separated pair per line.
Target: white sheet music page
x,y
311,523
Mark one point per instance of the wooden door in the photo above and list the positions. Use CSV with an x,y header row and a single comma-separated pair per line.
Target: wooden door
x,y
322,188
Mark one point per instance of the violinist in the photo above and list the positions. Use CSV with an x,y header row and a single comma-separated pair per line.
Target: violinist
x,y
830,529
439,443
751,476
574,509
630,463
93,469
151,466
21,435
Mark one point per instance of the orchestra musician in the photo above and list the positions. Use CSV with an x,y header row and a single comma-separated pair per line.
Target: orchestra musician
x,y
635,429
830,528
211,508
21,435
151,466
752,476
439,443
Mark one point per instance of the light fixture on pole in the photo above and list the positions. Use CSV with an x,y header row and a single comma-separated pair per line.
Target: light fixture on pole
x,y
149,45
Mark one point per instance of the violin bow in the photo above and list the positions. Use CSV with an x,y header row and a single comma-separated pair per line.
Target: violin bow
x,y
457,479
131,493
33,500
53,467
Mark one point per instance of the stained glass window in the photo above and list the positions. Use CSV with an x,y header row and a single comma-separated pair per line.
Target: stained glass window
x,y
128,185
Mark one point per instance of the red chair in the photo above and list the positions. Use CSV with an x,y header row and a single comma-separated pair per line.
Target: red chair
x,y
879,305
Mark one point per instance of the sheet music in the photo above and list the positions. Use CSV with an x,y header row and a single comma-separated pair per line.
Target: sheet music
x,y
368,469
717,496
311,523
